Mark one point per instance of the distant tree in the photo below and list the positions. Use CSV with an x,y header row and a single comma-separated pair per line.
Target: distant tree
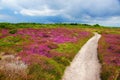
x,y
2,26
86,25
96,25
73,23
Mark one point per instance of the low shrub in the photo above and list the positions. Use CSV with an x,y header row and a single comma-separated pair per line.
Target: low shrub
x,y
108,50
45,69
13,31
96,25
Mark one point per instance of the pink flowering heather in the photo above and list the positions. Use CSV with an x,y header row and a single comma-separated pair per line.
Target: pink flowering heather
x,y
4,33
109,55
42,41
111,49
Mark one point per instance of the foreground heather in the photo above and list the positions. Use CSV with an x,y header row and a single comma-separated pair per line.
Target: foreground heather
x,y
46,51
109,53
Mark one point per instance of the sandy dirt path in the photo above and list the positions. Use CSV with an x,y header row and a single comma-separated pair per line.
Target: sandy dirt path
x,y
85,65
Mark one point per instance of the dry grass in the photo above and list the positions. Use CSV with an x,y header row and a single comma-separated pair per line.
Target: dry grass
x,y
12,68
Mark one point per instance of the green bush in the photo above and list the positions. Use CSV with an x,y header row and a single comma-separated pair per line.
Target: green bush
x,y
105,75
2,26
96,25
6,25
10,40
62,60
10,44
45,69
13,31
36,72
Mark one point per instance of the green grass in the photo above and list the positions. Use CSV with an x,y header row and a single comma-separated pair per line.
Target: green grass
x,y
11,44
38,25
47,69
71,49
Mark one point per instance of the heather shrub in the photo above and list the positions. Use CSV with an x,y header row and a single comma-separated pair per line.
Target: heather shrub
x,y
47,51
109,55
11,44
48,69
52,45
106,73
9,41
57,68
62,60
99,32
110,72
69,50
13,31
36,72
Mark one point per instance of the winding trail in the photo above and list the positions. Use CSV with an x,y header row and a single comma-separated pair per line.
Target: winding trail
x,y
85,65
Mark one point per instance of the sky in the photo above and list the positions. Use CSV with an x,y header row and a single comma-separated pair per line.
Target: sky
x,y
103,12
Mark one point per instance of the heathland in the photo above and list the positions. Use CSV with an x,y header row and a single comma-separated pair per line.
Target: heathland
x,y
31,51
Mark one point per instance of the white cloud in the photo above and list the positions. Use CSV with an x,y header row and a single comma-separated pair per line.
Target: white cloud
x,y
74,8
44,12
110,21
78,8
89,11
5,17
10,4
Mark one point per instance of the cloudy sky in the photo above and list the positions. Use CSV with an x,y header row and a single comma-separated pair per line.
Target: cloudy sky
x,y
104,12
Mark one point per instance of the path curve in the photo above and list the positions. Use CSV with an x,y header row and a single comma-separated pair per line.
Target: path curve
x,y
85,65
